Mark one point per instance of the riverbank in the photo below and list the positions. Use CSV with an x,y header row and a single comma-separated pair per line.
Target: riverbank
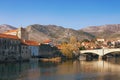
x,y
56,59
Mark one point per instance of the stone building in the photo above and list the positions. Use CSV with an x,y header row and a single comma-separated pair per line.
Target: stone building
x,y
9,48
27,48
33,47
48,51
25,52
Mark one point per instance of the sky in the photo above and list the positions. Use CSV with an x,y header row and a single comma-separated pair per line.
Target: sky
x,y
74,14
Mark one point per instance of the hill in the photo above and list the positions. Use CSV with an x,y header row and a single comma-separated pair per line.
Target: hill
x,y
5,27
105,31
40,33
55,33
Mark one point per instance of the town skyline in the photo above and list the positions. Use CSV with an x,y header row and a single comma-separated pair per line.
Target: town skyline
x,y
70,14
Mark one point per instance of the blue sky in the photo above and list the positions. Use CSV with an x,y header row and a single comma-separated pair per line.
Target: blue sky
x,y
74,14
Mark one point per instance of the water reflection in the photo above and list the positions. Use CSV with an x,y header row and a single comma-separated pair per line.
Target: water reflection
x,y
12,71
69,70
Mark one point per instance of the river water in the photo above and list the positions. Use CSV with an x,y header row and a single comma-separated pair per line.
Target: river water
x,y
69,70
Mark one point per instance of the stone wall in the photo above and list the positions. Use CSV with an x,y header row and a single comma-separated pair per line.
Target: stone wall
x,y
9,49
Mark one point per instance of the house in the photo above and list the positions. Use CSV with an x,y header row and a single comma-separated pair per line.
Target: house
x,y
47,51
100,39
33,47
20,33
27,48
48,42
9,48
88,45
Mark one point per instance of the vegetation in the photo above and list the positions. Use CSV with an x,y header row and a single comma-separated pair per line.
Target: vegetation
x,y
66,51
70,49
82,48
85,40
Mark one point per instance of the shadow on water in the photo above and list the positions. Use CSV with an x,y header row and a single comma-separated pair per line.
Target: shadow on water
x,y
11,71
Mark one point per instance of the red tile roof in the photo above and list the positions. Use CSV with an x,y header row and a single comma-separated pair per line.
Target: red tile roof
x,y
59,46
31,43
47,41
8,36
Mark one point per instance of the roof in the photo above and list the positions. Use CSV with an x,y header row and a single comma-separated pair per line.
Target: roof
x,y
31,43
10,31
8,36
59,46
47,41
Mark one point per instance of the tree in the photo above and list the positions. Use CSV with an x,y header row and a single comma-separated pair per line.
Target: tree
x,y
82,48
85,40
73,39
66,50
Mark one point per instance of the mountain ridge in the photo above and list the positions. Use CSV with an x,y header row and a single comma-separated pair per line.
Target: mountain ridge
x,y
5,27
56,33
104,31
38,32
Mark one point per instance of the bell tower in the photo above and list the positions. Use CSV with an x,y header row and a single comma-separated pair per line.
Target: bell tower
x,y
22,33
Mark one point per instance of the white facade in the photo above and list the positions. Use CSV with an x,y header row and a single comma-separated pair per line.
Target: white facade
x,y
100,39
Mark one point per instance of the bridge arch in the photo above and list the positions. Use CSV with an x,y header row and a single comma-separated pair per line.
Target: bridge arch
x,y
112,53
89,55
97,51
108,51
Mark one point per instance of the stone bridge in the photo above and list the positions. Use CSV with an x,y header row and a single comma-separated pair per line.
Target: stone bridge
x,y
100,52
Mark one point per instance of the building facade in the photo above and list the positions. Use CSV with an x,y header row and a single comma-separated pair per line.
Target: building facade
x,y
15,46
25,52
33,47
9,48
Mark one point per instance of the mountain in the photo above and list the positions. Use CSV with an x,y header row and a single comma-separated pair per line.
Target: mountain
x,y
40,33
5,27
56,33
105,31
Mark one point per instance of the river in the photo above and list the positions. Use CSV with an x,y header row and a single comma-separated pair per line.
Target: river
x,y
69,70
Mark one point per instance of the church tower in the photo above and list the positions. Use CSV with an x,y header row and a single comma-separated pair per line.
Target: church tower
x,y
22,33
